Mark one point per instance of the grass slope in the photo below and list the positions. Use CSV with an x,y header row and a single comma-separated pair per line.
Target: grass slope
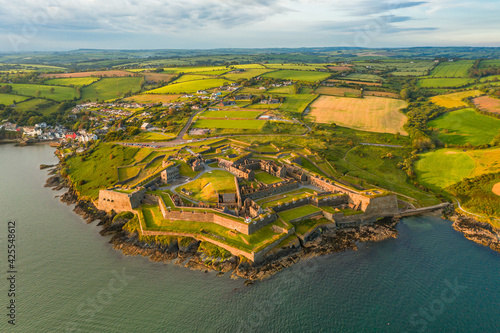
x,y
465,126
59,94
111,88
8,99
297,75
208,185
444,167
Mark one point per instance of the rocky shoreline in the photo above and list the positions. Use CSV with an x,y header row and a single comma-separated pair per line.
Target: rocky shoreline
x,y
476,231
321,242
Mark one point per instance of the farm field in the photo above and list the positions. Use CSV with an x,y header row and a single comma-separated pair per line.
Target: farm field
x,y
488,104
454,100
376,84
409,73
297,103
403,65
281,90
465,126
189,87
298,67
194,69
115,73
32,90
247,74
41,105
150,98
340,91
444,167
452,69
374,114
190,77
76,82
158,77
340,68
363,77
380,94
249,66
489,63
209,184
231,114
111,88
296,75
212,73
226,123
443,82
8,99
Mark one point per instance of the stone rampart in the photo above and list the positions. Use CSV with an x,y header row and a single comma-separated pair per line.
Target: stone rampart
x,y
119,201
205,216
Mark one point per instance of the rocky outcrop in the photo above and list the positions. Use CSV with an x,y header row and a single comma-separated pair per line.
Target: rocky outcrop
x,y
479,232
326,241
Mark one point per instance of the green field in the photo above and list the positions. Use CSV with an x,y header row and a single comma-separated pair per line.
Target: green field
x,y
297,103
194,69
111,88
8,99
443,83
38,90
240,124
297,75
489,63
75,82
154,136
44,106
465,126
231,114
291,214
98,171
363,77
247,74
444,167
189,87
452,69
190,77
281,90
209,184
267,178
285,197
298,67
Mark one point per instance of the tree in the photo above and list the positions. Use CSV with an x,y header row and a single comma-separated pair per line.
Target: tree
x,y
52,89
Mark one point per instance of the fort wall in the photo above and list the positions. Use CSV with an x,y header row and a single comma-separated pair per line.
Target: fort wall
x,y
119,201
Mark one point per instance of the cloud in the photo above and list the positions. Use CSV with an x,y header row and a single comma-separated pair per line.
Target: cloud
x,y
138,16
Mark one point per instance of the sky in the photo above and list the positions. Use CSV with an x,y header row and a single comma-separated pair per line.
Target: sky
x,y
57,25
